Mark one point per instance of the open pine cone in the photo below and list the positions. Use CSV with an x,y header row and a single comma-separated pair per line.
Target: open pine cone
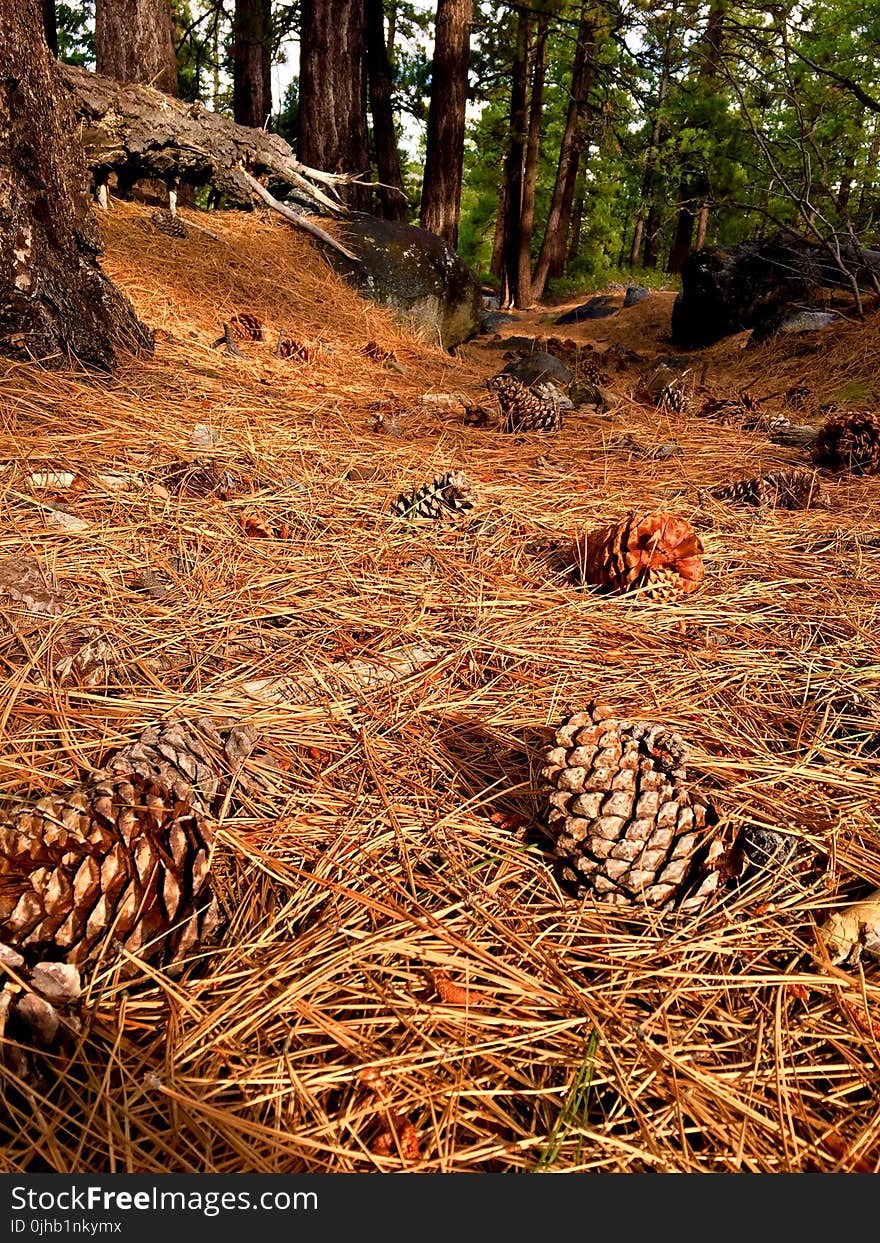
x,y
849,441
120,857
783,489
659,554
625,826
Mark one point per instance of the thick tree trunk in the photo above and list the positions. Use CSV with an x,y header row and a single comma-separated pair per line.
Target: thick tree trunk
x,y
702,226
515,159
332,91
683,237
577,217
444,152
652,236
134,42
55,302
530,169
551,257
252,62
392,201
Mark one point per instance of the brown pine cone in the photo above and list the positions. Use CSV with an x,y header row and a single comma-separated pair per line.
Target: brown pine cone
x,y
624,824
120,857
659,554
849,441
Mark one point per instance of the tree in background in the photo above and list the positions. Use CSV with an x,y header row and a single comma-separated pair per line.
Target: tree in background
x,y
251,53
444,149
134,43
332,95
392,197
55,302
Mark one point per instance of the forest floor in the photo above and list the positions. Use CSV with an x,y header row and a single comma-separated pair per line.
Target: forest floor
x,y
402,983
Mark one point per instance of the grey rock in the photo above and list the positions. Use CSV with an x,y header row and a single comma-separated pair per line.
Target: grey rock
x,y
807,321
416,275
597,308
493,320
537,367
634,294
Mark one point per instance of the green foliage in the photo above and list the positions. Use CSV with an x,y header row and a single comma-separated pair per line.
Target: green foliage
x,y
76,33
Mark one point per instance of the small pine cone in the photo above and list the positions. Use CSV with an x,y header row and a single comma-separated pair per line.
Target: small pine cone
x,y
169,224
194,760
672,398
624,824
785,489
796,397
589,370
523,410
299,351
115,857
247,327
659,554
849,441
448,496
199,478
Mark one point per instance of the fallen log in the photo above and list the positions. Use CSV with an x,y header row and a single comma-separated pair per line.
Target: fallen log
x,y
139,133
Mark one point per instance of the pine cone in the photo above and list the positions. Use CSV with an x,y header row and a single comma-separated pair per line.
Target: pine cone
x,y
624,824
194,760
120,857
247,327
849,441
787,489
168,223
659,554
523,410
448,495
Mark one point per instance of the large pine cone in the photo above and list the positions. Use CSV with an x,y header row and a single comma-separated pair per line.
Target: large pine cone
x,y
783,489
522,409
659,555
624,824
195,760
120,856
849,441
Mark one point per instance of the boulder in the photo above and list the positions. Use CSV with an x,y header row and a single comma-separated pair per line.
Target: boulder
x,y
757,285
597,308
634,294
415,274
537,367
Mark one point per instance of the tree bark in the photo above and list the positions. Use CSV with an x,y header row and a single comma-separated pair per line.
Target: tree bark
x,y
551,257
393,201
496,264
134,42
252,62
332,94
515,159
530,167
444,152
56,305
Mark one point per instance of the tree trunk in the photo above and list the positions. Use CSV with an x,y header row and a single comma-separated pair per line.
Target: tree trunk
x,y
551,257
647,224
332,95
514,161
530,168
50,25
252,62
392,201
702,226
444,152
496,265
55,302
577,217
134,42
